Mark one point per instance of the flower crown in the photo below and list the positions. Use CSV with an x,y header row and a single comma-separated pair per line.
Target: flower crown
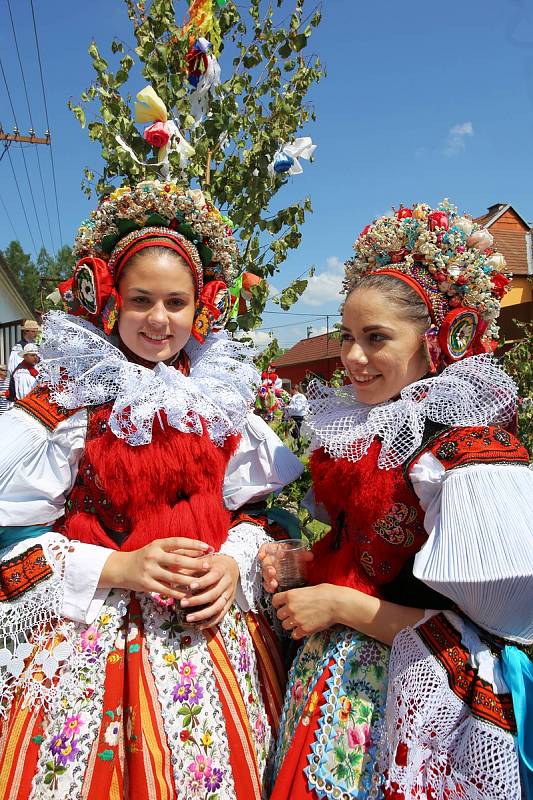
x,y
447,258
153,213
165,205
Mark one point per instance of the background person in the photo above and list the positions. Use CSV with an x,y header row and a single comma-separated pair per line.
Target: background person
x,y
24,376
30,331
4,387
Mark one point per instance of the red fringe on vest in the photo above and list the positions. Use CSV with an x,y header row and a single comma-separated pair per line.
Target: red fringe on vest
x,y
361,492
170,487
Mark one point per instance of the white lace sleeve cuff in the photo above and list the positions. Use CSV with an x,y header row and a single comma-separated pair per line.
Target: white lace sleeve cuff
x,y
242,544
82,600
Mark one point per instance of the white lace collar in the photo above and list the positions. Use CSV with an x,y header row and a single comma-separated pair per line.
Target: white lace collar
x,y
475,391
84,368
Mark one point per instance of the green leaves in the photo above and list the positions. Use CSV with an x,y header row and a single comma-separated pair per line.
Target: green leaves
x,y
261,103
291,294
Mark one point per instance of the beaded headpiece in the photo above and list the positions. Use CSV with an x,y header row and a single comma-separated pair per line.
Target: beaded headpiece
x,y
160,214
449,261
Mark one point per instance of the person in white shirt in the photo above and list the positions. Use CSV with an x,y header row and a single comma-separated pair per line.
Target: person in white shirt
x,y
25,374
30,331
4,386
297,410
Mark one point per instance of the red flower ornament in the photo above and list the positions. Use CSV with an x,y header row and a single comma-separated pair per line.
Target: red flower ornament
x,y
438,219
157,135
403,213
499,283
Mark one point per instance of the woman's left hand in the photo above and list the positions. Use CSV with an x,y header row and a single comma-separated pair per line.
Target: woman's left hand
x,y
307,610
215,592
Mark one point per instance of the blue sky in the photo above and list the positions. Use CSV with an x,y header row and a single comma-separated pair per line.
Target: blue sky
x,y
421,101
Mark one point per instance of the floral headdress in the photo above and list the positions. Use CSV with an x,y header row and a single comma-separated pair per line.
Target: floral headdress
x,y
449,261
153,213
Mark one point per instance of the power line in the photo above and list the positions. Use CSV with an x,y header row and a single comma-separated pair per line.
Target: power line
x,y
6,212
22,202
288,325
31,121
299,314
47,120
23,156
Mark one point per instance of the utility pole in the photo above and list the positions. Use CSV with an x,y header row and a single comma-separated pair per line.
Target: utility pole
x,y
9,138
309,330
16,137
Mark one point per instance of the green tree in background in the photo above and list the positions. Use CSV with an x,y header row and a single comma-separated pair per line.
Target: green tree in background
x,y
519,365
38,280
260,105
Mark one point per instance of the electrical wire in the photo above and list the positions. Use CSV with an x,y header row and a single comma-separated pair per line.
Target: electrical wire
x,y
22,202
47,120
23,158
31,122
6,212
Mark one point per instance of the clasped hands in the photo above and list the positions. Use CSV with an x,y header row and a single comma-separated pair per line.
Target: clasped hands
x,y
303,611
184,569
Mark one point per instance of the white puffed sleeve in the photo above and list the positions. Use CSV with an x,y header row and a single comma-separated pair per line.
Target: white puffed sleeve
x,y
479,551
261,465
38,468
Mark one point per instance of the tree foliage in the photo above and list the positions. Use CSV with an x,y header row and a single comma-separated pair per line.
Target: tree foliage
x,y
260,104
39,279
519,365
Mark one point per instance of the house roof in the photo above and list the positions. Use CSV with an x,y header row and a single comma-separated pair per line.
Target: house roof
x,y
316,348
511,233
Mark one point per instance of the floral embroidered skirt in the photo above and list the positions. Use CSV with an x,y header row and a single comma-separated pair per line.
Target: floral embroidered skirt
x,y
148,709
332,719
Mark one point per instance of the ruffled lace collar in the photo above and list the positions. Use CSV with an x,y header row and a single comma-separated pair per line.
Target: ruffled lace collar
x,y
475,391
84,368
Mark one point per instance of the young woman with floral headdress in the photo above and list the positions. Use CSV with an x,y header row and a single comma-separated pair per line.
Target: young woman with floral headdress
x,y
419,474
132,663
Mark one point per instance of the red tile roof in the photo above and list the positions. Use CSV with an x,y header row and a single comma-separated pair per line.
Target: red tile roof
x,y
313,349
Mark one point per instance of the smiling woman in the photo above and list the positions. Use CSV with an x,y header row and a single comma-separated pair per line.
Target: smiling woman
x,y
135,659
429,497
158,304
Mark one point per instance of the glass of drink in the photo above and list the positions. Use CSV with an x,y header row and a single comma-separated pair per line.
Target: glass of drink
x,y
290,562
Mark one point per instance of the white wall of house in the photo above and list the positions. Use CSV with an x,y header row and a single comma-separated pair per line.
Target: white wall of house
x,y
13,308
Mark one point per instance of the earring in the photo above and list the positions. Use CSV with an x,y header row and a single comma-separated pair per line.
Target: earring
x,y
432,349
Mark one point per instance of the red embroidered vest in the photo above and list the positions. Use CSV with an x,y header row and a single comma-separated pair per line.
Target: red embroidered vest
x,y
125,497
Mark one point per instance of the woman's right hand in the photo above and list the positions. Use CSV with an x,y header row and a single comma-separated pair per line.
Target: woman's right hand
x,y
164,566
267,557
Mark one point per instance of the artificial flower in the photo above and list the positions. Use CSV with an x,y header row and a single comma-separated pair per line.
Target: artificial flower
x,y
157,135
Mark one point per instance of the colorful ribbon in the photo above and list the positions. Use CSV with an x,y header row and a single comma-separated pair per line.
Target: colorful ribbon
x,y
518,675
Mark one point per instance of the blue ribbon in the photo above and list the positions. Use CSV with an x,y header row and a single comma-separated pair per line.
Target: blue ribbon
x,y
12,534
518,675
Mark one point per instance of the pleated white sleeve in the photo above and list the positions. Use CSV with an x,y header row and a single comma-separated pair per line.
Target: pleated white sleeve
x,y
479,551
38,468
261,465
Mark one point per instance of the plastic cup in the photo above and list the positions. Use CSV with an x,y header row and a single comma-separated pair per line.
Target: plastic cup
x,y
290,563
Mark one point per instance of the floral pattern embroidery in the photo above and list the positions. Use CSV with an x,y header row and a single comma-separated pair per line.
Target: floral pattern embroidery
x,y
76,715
393,527
193,720
344,752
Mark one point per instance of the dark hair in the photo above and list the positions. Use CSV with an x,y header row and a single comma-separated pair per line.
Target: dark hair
x,y
400,294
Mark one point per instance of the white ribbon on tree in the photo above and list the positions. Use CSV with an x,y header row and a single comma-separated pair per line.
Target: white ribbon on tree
x,y
286,161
